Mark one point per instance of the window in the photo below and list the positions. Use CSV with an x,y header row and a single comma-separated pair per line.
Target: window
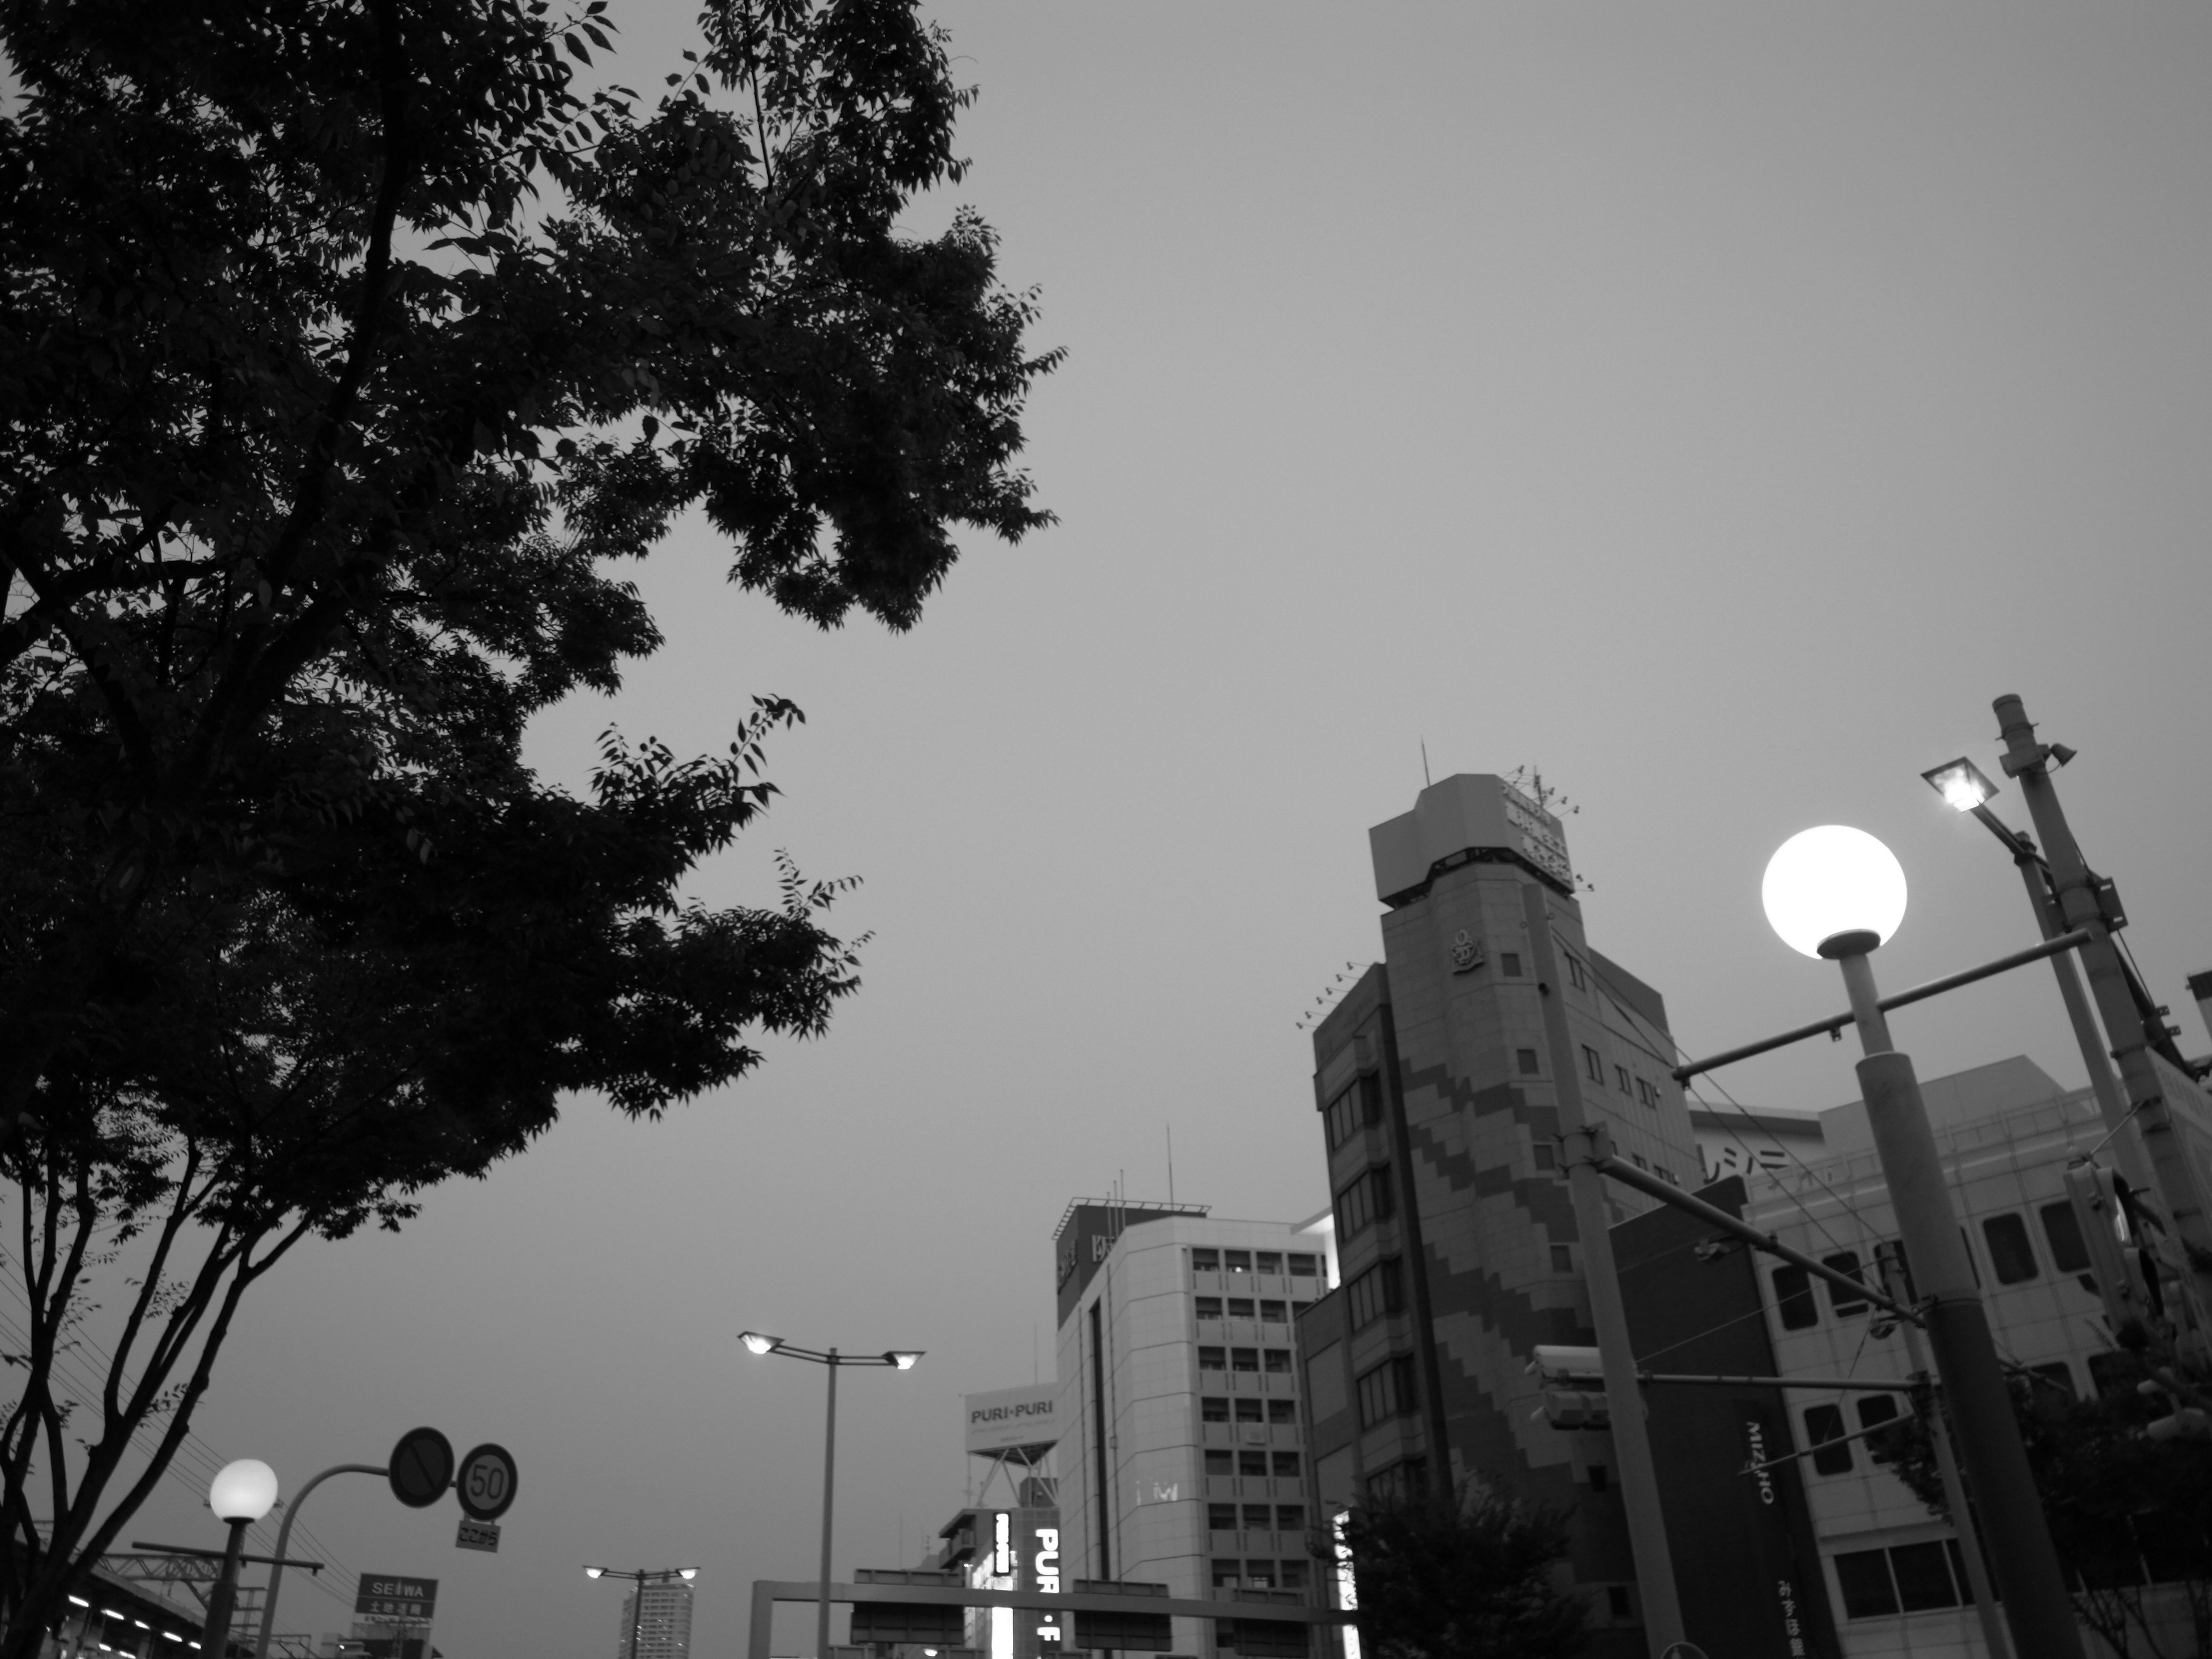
x,y
1620,1079
1260,1575
1237,1261
1286,1466
1268,1261
1823,1424
1278,1361
1293,1573
1252,1462
1579,980
1841,1301
1240,1307
1221,1517
1593,1064
1213,1408
1793,1295
1206,1261
1509,963
1646,1093
1290,1517
1220,1462
1863,1577
1546,1156
1874,1410
1376,1292
1247,1410
1209,1307
1923,1577
2062,1229
1305,1267
1213,1359
2010,1253
1228,1575
1258,1517
1282,1411
1386,1392
1600,1480
1275,1313
1563,1259
1365,1199
1525,1058
1354,1108
1244,1360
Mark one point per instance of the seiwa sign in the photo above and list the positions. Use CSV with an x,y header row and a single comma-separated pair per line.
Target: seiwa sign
x,y
1008,1417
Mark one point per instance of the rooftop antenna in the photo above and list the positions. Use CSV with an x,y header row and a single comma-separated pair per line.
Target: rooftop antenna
x,y
1170,1166
1425,781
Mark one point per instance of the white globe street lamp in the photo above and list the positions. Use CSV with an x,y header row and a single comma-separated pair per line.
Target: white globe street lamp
x,y
1831,882
241,1494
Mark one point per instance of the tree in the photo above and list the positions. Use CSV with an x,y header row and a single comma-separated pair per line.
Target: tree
x,y
2129,1503
346,348
1463,1574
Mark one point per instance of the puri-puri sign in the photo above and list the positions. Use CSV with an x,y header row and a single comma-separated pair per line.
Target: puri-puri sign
x,y
1007,1420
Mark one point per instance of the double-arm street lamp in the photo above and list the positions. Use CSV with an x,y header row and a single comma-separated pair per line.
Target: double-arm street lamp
x,y
642,1577
830,1360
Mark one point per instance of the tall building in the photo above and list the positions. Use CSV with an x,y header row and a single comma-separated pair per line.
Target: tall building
x,y
1455,1234
662,1629
1181,1455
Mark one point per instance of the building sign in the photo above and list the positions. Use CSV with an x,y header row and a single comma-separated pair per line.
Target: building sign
x,y
385,1596
1013,1419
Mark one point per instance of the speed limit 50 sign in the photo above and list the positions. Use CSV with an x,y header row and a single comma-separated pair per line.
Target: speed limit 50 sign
x,y
485,1482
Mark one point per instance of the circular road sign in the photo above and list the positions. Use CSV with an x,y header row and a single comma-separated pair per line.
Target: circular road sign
x,y
486,1482
422,1467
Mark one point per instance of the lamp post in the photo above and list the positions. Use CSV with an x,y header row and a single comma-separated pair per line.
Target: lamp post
x,y
898,1359
284,1538
1837,893
241,1494
642,1577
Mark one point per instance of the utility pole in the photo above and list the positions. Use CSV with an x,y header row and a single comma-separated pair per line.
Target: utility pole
x,y
1632,1435
2028,761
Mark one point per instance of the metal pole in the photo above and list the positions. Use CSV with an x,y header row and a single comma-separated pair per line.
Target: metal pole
x,y
2027,760
214,1638
284,1538
2036,1605
637,1614
1632,1435
829,1479
2111,1104
1955,1491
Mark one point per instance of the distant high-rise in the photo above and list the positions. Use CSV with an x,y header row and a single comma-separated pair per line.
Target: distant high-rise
x,y
663,1631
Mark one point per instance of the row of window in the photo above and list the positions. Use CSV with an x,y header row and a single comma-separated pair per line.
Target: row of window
x,y
1823,1424
1377,1291
1255,1517
1353,1109
1259,1575
1281,1465
1367,1199
2012,1257
1593,1069
1245,1359
1245,1307
1386,1392
1215,1408
1296,1264
1903,1578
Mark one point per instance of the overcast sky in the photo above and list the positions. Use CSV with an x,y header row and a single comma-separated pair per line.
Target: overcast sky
x,y
1716,406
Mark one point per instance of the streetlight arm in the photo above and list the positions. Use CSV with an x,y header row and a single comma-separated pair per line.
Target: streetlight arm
x,y
284,1537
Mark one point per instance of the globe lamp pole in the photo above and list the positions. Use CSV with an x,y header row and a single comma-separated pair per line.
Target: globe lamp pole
x,y
241,1494
1837,893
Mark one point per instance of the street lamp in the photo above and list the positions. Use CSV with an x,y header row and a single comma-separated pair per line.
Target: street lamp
x,y
1837,893
241,1494
901,1359
642,1577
